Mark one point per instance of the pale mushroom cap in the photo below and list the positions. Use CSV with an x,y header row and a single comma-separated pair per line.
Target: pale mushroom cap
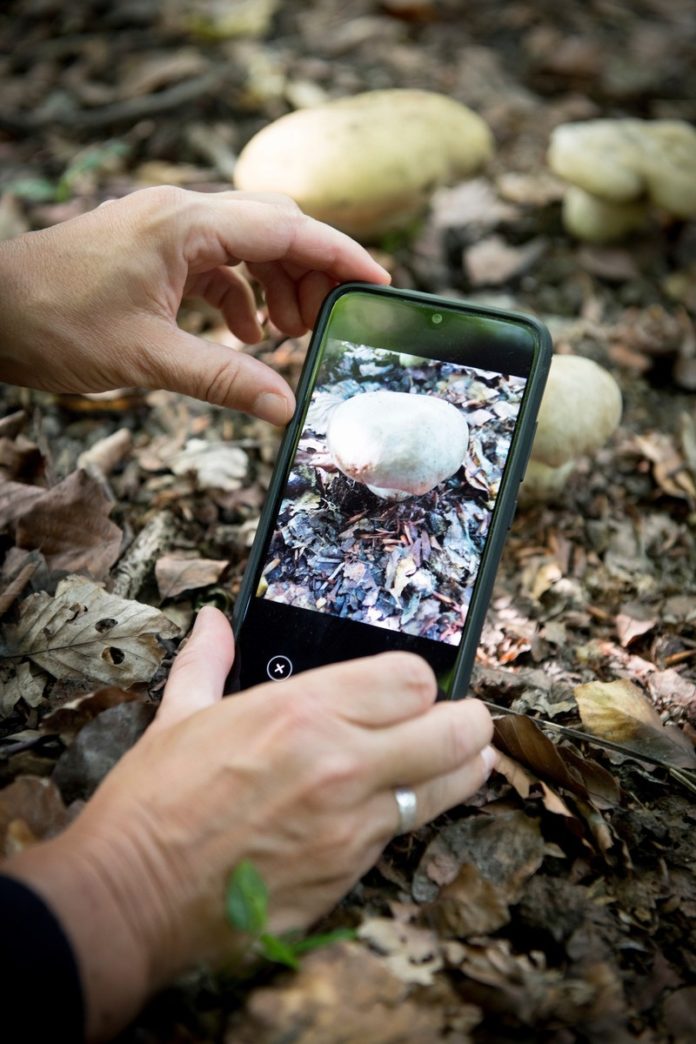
x,y
580,410
623,160
369,161
397,443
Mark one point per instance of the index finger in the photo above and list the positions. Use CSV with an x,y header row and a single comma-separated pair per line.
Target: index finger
x,y
374,691
439,742
254,231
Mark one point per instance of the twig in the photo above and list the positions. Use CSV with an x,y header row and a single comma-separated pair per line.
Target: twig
x,y
683,776
9,749
680,657
140,557
599,614
129,111
19,581
598,741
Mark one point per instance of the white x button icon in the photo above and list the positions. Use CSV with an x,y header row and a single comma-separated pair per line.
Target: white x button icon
x,y
279,667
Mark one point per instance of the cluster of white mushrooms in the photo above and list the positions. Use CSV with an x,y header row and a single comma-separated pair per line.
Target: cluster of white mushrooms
x,y
617,170
343,163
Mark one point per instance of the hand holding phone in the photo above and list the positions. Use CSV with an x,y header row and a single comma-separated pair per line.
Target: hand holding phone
x,y
394,486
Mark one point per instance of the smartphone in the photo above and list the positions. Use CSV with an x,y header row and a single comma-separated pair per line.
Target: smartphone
x,y
394,487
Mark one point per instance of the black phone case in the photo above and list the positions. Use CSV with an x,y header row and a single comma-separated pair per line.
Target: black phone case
x,y
520,450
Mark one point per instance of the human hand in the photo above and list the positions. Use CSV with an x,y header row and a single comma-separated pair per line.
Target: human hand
x,y
298,777
91,304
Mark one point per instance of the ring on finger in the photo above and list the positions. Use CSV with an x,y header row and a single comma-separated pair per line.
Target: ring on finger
x,y
407,804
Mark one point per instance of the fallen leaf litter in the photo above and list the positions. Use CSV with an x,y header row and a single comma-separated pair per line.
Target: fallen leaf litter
x,y
582,927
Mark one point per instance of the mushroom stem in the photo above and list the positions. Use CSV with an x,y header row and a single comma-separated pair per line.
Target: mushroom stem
x,y
599,220
580,410
542,482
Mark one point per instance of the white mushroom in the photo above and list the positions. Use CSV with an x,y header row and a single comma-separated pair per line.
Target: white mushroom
x,y
398,445
369,163
580,410
616,168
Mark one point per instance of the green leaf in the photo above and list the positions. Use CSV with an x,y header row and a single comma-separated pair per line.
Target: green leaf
x,y
33,190
400,238
95,159
246,901
276,949
314,942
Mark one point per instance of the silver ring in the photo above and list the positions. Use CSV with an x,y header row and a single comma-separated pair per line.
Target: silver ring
x,y
407,804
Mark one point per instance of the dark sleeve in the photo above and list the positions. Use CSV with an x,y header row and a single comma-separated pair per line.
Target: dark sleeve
x,y
38,970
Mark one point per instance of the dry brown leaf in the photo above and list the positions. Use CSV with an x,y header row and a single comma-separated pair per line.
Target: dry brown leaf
x,y
413,10
469,905
520,738
16,499
585,818
620,712
523,781
69,524
20,684
107,453
66,721
634,620
540,575
176,574
98,746
344,986
471,202
492,261
535,188
687,438
36,804
83,632
411,953
673,688
679,1012
505,848
214,464
612,848
18,577
12,424
20,459
610,263
670,469
521,985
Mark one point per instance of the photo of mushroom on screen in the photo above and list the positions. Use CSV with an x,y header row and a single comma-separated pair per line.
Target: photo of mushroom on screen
x,y
388,502
394,486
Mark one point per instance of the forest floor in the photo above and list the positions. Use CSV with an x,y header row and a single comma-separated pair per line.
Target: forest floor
x,y
559,905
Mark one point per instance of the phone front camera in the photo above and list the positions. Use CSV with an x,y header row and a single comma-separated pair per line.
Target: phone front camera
x,y
437,317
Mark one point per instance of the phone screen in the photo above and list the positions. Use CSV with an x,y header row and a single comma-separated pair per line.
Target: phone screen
x,y
383,509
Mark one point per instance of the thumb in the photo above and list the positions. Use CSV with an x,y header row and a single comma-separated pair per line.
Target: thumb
x,y
180,362
198,676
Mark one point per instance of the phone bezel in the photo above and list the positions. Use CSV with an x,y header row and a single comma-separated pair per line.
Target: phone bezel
x,y
518,455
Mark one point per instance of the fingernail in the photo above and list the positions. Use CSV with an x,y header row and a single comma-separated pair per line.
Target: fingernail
x,y
271,407
201,615
489,757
